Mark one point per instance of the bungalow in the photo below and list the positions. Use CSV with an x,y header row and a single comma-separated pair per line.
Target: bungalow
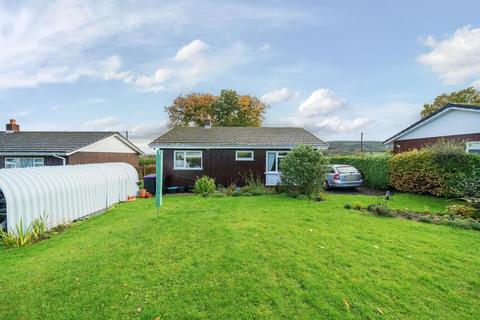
x,y
51,148
228,154
456,122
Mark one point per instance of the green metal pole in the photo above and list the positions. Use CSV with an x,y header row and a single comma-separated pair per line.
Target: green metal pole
x,y
159,179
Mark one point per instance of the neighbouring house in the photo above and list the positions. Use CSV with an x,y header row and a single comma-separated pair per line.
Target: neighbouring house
x,y
228,154
53,148
456,122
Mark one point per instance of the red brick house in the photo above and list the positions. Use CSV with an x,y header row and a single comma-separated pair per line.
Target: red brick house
x,y
456,122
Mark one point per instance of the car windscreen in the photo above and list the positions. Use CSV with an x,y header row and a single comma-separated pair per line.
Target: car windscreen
x,y
346,169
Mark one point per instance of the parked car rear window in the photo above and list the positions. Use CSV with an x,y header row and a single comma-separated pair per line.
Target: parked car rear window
x,y
346,169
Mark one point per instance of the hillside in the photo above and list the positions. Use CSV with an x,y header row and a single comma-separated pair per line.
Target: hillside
x,y
353,147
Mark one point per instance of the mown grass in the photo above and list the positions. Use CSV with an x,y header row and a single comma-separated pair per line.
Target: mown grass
x,y
246,257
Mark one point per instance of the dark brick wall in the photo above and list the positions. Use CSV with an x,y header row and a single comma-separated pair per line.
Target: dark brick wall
x,y
407,145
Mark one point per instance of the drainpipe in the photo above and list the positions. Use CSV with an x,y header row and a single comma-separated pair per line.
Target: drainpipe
x,y
64,161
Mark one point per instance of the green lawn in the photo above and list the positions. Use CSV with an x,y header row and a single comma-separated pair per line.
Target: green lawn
x,y
246,257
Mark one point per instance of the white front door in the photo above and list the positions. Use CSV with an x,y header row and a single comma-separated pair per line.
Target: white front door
x,y
273,166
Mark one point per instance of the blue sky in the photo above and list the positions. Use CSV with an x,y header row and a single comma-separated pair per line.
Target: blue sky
x,y
334,67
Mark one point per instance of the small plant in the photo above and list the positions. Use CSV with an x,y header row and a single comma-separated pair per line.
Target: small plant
x,y
205,194
236,193
303,197
317,197
358,206
254,185
247,194
293,194
203,185
425,219
218,194
347,206
462,210
19,237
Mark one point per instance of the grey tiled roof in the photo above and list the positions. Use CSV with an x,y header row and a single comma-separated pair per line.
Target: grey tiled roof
x,y
61,142
244,136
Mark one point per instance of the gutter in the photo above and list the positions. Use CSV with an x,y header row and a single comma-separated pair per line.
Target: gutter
x,y
64,160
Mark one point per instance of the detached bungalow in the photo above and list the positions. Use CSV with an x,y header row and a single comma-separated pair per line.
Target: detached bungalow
x,y
20,149
457,122
228,154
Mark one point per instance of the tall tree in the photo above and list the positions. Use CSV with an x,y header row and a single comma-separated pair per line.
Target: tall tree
x,y
229,109
469,95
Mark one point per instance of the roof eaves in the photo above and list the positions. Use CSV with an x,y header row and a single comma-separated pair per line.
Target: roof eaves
x,y
430,117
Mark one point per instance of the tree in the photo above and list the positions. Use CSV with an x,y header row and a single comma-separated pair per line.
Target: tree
x,y
469,95
229,109
304,167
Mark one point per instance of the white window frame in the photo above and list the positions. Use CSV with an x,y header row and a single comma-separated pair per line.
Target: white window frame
x,y
276,160
17,160
473,146
251,158
185,160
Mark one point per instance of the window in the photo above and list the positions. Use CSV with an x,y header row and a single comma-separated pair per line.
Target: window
x,y
473,147
244,155
274,160
188,160
24,162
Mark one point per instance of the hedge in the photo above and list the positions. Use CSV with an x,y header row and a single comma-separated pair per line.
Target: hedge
x,y
374,169
437,173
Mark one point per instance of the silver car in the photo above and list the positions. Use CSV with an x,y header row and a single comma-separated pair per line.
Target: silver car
x,y
343,176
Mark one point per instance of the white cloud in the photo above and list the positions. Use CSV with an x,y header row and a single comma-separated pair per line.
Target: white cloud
x,y
279,96
193,63
321,101
154,81
191,51
336,124
456,58
50,42
142,134
54,41
324,114
109,123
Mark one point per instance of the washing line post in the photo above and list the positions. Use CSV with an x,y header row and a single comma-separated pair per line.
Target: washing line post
x,y
159,180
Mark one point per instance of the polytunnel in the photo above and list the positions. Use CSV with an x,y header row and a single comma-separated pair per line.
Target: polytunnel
x,y
63,194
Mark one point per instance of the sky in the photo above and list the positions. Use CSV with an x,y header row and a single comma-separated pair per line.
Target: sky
x,y
337,68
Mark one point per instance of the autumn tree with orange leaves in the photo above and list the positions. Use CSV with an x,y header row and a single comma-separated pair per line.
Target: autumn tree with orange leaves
x,y
229,109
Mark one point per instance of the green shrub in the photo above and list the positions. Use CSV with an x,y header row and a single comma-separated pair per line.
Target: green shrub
x,y
347,206
374,169
254,185
218,194
305,168
247,194
462,210
293,194
203,185
303,197
236,193
358,206
439,170
19,237
317,197
475,225
425,219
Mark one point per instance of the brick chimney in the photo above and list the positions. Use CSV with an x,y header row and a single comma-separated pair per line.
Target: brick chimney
x,y
12,127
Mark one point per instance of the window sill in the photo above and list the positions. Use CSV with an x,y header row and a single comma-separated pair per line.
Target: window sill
x,y
188,169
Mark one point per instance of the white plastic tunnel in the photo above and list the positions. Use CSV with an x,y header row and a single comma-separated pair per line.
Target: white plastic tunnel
x,y
64,193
